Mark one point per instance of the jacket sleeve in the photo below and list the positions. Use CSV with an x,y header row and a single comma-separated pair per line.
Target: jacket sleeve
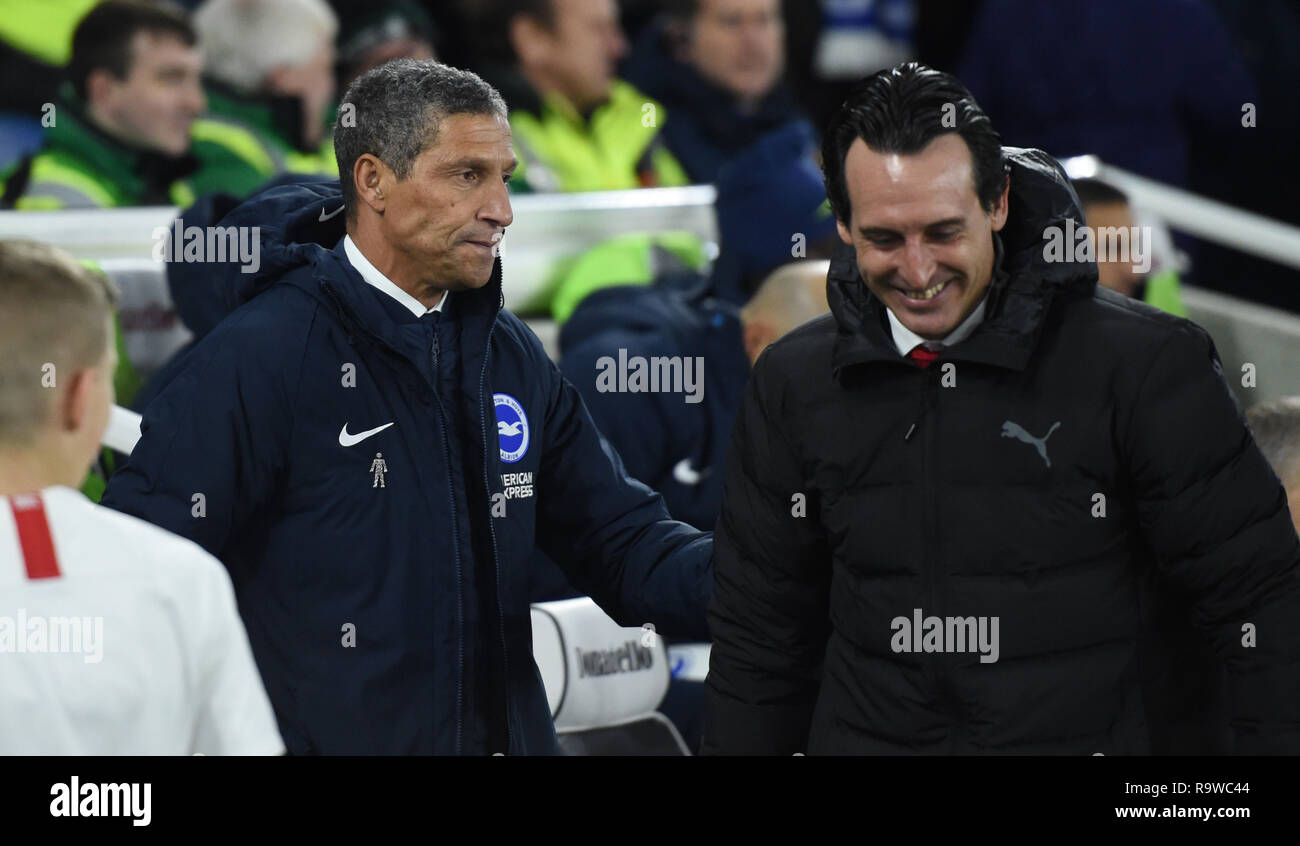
x,y
1216,517
769,611
610,534
214,441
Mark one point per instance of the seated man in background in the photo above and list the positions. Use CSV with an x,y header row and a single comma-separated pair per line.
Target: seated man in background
x,y
717,67
120,133
175,675
1276,426
576,126
269,73
1105,207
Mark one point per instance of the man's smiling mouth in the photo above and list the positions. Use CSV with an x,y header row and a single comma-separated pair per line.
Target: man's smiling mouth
x,y
928,294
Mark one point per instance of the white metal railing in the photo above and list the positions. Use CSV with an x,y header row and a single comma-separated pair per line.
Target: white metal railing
x,y
1214,221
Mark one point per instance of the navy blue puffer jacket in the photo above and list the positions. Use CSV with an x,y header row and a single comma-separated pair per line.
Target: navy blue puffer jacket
x,y
376,484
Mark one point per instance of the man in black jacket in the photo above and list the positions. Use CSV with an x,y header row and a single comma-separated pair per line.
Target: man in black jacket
x,y
946,500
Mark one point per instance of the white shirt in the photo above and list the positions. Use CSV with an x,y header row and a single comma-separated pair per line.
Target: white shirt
x,y
906,340
371,274
123,639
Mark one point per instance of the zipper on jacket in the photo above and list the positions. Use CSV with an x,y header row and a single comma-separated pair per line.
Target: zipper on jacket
x,y
346,318
455,545
942,673
929,504
485,402
931,518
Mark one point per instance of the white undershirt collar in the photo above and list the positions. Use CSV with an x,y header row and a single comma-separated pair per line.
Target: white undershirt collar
x,y
906,340
372,275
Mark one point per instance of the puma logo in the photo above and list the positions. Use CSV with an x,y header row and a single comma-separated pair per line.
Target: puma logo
x,y
1014,430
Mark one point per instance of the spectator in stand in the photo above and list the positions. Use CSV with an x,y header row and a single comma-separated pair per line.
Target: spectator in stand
x,y
269,69
717,67
576,126
1105,208
120,131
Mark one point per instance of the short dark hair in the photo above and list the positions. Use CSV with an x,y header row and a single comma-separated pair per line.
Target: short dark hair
x,y
901,110
394,112
103,37
1094,192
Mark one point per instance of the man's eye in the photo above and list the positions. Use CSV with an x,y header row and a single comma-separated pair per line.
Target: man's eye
x,y
469,175
882,242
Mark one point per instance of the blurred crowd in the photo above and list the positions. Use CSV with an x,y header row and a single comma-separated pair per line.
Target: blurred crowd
x,y
132,102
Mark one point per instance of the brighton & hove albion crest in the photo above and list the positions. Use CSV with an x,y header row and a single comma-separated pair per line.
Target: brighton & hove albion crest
x,y
512,427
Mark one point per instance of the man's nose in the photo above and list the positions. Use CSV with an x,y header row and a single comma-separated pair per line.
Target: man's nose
x,y
497,210
917,265
197,101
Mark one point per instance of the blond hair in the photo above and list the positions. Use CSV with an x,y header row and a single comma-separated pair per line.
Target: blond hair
x,y
54,321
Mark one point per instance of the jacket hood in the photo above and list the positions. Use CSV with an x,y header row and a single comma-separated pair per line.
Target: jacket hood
x,y
1024,283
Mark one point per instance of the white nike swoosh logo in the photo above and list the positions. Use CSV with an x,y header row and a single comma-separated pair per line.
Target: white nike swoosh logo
x,y
686,474
352,440
324,217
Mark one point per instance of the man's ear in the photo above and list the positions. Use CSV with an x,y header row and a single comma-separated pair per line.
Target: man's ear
x,y
524,33
757,335
74,404
99,85
998,216
373,180
845,236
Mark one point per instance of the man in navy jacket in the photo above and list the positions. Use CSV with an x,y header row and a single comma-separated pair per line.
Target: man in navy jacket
x,y
374,447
